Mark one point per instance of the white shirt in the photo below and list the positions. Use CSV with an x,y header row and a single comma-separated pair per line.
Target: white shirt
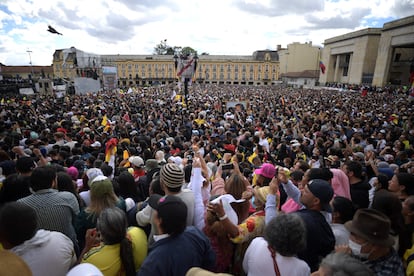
x,y
47,253
341,234
258,261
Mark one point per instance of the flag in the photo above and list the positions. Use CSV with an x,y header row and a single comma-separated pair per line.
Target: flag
x,y
110,149
322,66
185,68
126,117
125,156
104,120
364,92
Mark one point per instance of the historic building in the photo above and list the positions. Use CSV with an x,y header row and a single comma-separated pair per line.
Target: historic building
x,y
261,68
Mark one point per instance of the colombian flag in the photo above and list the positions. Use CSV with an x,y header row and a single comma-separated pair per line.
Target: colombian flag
x,y
322,67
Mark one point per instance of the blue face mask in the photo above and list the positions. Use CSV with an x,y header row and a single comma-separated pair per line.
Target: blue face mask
x,y
356,249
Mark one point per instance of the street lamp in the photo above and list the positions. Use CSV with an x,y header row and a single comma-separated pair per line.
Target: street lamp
x,y
30,62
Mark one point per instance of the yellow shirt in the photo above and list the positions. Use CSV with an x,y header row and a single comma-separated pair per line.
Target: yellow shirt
x,y
107,257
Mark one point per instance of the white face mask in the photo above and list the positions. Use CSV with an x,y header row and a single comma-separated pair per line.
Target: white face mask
x,y
356,249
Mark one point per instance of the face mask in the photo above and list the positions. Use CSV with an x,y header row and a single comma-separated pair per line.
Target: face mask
x,y
356,249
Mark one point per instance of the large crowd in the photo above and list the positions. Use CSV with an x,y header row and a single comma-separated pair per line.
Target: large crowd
x,y
240,180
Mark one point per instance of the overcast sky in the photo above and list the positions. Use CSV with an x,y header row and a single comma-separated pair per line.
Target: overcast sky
x,y
233,27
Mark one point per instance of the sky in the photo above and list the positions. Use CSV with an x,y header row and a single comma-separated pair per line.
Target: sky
x,y
217,27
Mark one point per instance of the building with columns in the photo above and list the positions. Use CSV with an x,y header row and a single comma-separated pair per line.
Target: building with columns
x,y
260,68
372,56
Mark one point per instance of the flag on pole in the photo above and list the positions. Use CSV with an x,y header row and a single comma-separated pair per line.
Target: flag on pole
x,y
322,66
185,68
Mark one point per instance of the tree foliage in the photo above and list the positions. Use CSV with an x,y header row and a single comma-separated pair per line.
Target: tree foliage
x,y
164,49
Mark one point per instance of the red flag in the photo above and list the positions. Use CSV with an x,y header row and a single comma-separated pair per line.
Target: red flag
x,y
322,66
364,92
126,117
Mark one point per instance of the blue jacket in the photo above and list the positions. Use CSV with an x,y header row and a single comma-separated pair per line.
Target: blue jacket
x,y
176,255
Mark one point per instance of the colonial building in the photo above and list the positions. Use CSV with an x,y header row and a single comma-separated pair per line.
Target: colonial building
x,y
261,68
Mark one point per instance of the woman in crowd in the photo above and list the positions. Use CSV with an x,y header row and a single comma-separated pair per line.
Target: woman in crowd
x,y
112,248
102,196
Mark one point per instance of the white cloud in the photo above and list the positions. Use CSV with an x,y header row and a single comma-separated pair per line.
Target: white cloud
x,y
217,27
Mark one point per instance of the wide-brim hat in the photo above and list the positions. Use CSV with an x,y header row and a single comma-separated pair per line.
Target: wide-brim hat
x,y
371,225
151,164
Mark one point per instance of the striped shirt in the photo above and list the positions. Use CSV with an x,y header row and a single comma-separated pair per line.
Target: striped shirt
x,y
55,210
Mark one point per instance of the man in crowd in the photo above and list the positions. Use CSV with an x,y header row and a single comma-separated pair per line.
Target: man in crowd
x,y
55,210
177,248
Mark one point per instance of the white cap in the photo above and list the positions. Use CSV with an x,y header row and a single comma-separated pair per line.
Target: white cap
x,y
84,269
136,161
96,144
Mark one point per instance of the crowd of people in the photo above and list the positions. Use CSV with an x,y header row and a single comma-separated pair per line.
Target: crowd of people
x,y
239,180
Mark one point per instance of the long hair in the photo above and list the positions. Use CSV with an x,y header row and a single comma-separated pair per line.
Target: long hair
x,y
127,187
236,185
101,201
112,225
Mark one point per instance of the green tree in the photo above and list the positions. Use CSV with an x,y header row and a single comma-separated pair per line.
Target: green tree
x,y
163,48
188,51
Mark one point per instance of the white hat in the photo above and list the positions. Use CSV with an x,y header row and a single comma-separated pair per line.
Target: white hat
x,y
96,144
136,161
84,269
92,173
176,159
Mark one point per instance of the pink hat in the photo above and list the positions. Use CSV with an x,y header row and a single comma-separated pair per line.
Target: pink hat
x,y
73,172
266,170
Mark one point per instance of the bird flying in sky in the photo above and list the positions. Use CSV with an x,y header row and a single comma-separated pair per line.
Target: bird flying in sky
x,y
52,30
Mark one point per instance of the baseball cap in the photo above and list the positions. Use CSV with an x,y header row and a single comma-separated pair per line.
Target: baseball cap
x,y
266,170
322,189
136,161
171,210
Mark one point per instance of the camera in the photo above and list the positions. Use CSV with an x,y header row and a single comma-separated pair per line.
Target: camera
x,y
190,157
226,167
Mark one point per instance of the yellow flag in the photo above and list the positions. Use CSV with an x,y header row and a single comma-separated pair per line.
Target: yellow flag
x,y
104,121
126,157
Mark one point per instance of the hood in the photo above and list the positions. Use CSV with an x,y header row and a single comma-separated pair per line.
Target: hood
x,y
40,238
